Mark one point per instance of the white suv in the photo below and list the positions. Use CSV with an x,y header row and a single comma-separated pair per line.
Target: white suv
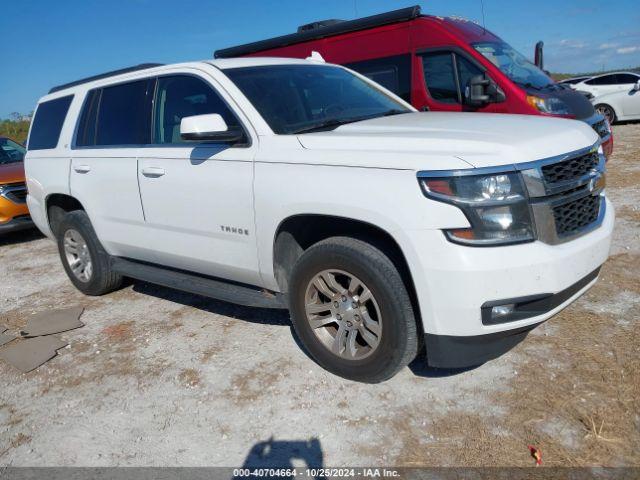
x,y
281,183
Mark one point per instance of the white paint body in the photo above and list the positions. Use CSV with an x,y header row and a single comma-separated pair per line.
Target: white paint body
x,y
625,103
168,205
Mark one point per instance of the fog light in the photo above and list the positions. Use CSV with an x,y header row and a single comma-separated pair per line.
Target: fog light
x,y
502,310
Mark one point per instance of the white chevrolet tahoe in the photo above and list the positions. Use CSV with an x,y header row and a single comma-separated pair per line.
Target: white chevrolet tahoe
x,y
281,183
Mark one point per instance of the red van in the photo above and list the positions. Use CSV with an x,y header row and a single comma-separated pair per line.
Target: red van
x,y
436,63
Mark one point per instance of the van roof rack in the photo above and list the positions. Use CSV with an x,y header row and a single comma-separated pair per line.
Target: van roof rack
x,y
322,29
135,68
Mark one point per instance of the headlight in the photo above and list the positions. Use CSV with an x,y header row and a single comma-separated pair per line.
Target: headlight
x,y
495,205
551,105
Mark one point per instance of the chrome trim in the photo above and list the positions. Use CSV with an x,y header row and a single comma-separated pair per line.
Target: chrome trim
x,y
542,196
8,191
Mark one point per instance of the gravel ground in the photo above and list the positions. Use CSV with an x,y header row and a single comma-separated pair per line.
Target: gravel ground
x,y
158,377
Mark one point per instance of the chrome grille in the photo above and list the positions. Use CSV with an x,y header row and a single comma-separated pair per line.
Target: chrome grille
x,y
576,215
16,193
571,169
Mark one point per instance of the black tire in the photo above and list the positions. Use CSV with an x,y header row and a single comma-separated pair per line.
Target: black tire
x,y
102,279
398,343
607,111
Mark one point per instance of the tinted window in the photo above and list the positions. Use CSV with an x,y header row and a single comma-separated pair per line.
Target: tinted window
x,y
440,77
124,115
10,152
47,123
604,80
184,96
393,73
445,79
86,135
299,98
625,78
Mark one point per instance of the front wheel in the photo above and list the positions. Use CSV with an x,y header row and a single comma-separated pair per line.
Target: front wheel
x,y
607,111
351,310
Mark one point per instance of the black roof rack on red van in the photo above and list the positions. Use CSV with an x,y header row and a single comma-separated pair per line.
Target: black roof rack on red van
x,y
135,68
322,29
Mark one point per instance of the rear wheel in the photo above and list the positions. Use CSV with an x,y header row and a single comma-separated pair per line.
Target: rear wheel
x,y
84,259
607,111
351,310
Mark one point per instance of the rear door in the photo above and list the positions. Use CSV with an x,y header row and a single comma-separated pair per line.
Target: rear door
x,y
197,196
114,124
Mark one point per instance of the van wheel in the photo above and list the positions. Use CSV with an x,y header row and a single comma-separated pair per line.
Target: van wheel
x,y
607,111
84,259
351,310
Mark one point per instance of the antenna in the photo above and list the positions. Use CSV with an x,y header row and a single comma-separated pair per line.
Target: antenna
x,y
484,27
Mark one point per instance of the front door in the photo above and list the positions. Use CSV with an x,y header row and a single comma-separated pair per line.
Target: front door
x,y
198,197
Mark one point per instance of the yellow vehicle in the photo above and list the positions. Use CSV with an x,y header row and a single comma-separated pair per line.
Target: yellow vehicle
x,y
14,214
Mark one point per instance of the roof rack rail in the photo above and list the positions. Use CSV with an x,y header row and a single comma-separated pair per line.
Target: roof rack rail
x,y
321,29
135,68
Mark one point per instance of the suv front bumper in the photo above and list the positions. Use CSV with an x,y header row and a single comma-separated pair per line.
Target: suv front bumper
x,y
18,223
455,282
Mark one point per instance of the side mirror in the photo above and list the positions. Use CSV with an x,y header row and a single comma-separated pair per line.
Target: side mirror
x,y
210,127
481,91
636,87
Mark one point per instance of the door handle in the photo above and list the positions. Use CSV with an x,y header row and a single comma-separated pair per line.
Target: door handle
x,y
82,168
153,172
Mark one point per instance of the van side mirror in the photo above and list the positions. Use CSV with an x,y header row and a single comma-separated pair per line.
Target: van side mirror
x,y
481,90
210,127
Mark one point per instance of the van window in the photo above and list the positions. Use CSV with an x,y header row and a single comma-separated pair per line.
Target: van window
x,y
446,75
117,115
47,124
393,73
184,96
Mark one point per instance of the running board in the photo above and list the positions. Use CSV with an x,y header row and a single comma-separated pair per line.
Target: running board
x,y
199,284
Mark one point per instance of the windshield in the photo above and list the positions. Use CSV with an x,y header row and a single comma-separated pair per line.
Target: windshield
x,y
10,152
513,64
304,98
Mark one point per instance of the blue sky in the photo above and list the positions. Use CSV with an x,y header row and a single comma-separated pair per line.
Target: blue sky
x,y
48,43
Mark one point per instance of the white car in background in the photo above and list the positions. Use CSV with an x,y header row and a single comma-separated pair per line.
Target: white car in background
x,y
621,105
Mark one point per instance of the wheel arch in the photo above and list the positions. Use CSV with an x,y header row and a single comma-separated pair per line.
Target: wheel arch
x,y
56,205
298,232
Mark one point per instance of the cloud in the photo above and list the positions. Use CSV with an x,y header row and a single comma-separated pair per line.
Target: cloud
x,y
608,46
570,43
625,50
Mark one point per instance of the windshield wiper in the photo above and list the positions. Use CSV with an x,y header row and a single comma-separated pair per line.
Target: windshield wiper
x,y
335,122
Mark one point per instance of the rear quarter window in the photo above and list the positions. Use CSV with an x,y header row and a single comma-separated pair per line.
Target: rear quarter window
x,y
47,123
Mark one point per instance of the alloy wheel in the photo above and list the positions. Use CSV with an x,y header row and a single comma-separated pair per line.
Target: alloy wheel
x,y
77,254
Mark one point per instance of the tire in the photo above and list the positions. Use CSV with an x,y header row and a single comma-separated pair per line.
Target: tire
x,y
607,111
75,228
345,259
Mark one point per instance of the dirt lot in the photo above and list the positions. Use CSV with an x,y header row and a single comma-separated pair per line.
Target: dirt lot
x,y
158,377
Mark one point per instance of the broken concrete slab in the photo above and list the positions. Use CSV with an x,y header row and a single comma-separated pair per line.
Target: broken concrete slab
x,y
27,355
6,338
53,321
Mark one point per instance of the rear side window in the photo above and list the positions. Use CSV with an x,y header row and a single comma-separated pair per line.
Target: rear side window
x,y
447,74
118,115
47,124
393,73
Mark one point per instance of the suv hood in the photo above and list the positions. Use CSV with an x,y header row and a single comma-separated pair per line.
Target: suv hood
x,y
12,173
479,139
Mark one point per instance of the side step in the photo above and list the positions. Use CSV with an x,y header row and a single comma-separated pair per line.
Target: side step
x,y
199,284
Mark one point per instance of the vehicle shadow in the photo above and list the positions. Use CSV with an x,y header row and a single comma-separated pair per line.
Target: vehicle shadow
x,y
420,368
265,316
21,236
280,454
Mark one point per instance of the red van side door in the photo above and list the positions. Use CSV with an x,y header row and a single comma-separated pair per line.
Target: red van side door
x,y
440,76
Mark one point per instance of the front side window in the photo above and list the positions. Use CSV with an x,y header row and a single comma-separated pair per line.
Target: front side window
x,y
185,96
513,64
10,151
47,123
303,98
604,80
116,116
627,78
446,75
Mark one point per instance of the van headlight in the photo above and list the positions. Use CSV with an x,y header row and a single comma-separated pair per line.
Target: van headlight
x,y
495,204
